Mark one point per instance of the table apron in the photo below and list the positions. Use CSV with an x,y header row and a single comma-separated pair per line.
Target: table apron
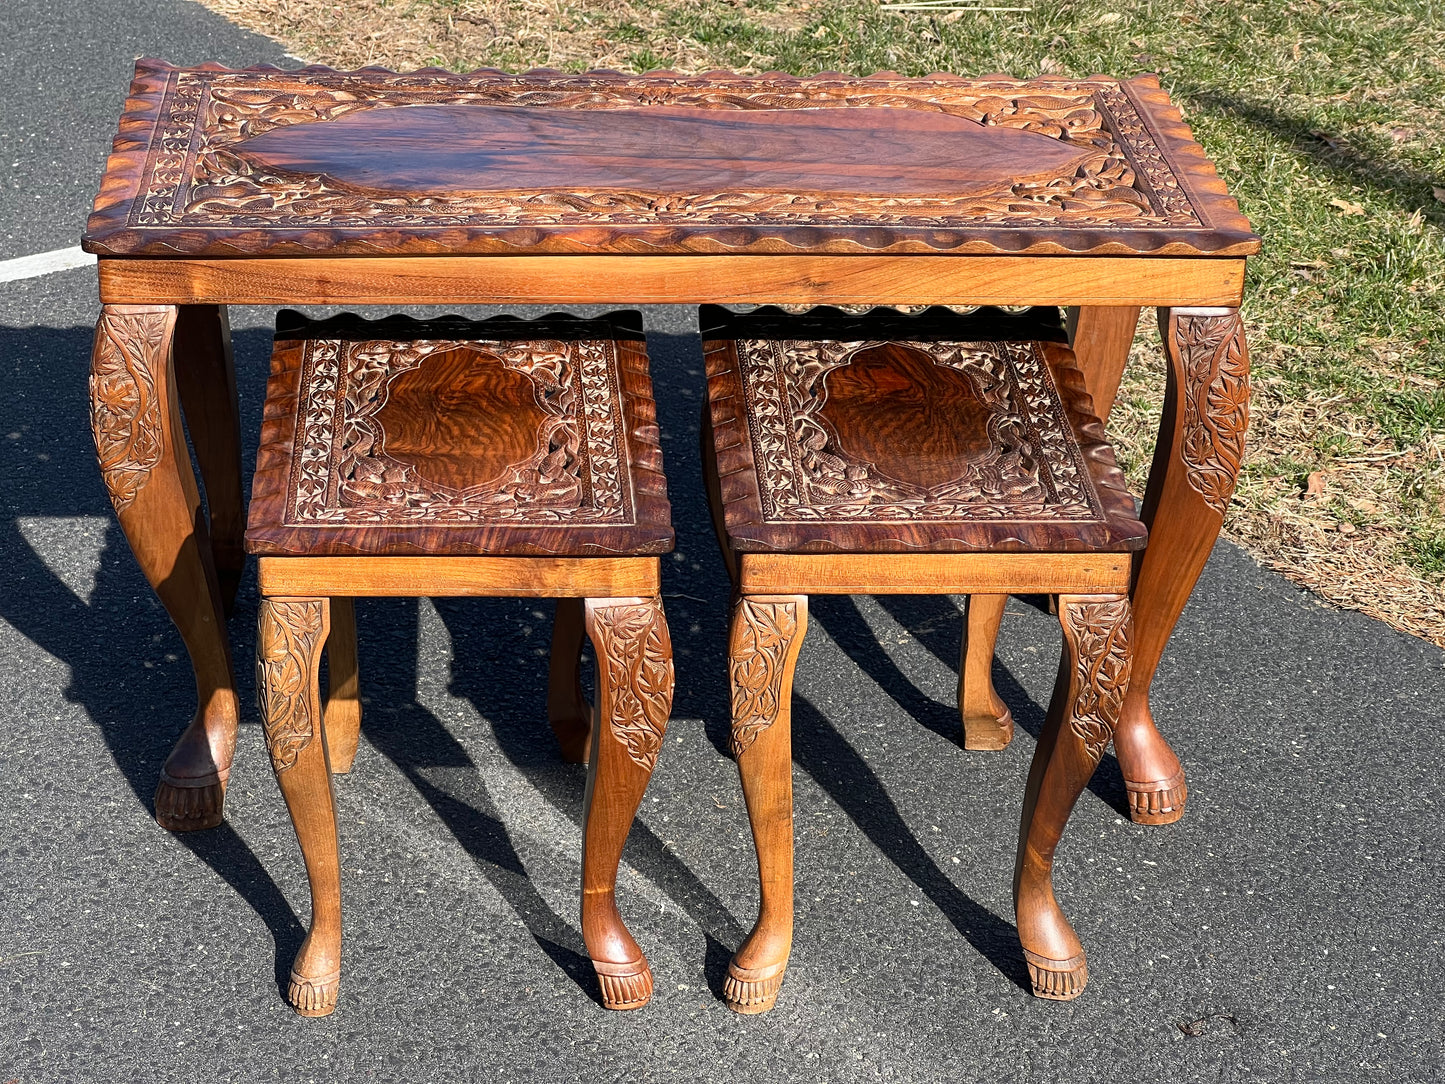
x,y
641,280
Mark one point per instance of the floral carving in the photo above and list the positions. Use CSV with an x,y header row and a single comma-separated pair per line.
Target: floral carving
x,y
289,638
1215,361
575,475
763,634
635,651
1032,469
198,178
1099,630
125,407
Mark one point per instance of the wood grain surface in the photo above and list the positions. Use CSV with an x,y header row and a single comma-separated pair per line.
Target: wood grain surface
x,y
210,162
449,437
936,433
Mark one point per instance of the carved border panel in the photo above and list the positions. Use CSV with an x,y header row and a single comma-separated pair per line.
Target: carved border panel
x,y
1101,631
633,646
1034,470
342,476
196,180
1216,402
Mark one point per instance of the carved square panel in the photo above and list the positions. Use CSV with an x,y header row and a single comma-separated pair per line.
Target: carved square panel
x,y
448,438
932,444
212,161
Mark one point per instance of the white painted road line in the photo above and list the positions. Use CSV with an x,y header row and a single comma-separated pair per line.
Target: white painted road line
x,y
44,263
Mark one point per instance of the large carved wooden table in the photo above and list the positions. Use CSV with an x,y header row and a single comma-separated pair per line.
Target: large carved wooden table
x,y
267,187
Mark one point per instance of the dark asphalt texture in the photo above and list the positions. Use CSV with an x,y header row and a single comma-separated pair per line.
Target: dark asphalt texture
x,y
1287,929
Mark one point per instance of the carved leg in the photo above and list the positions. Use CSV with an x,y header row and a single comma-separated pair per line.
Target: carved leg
x,y
767,633
567,707
634,699
1093,678
135,416
1101,337
343,687
206,379
987,722
1196,463
290,632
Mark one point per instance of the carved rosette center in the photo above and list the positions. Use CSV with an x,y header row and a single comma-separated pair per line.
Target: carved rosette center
x,y
289,636
1100,631
761,636
634,648
125,408
1216,402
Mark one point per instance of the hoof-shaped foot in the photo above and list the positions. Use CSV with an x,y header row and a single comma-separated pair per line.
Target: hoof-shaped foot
x,y
1157,803
189,805
314,996
988,733
1057,980
752,990
624,986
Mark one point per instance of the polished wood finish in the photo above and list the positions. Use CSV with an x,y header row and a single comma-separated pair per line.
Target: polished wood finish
x,y
206,380
1196,465
139,441
215,162
1101,337
908,434
931,573
757,485
791,279
468,404
475,577
568,712
987,722
343,687
452,437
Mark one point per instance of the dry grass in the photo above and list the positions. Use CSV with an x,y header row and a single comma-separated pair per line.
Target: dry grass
x,y
1322,115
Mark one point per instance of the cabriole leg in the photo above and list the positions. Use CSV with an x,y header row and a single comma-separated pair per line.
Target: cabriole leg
x,y
987,722
1093,678
135,417
634,700
767,633
1196,465
206,379
290,632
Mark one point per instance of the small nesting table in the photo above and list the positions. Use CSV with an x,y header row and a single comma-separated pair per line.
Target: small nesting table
x,y
311,187
449,457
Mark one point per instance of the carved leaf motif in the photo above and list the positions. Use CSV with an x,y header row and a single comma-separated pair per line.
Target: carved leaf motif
x,y
1115,173
633,646
1032,470
289,636
575,475
1101,632
1216,403
761,638
125,412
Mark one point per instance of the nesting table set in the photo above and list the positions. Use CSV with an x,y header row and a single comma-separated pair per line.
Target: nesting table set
x,y
858,451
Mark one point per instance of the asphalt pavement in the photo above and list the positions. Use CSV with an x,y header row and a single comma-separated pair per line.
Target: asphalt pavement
x,y
1288,928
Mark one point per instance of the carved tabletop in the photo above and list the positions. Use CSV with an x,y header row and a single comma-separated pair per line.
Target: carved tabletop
x,y
211,161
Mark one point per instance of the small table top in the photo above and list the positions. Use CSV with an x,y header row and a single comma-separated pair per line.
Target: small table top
x,y
212,161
